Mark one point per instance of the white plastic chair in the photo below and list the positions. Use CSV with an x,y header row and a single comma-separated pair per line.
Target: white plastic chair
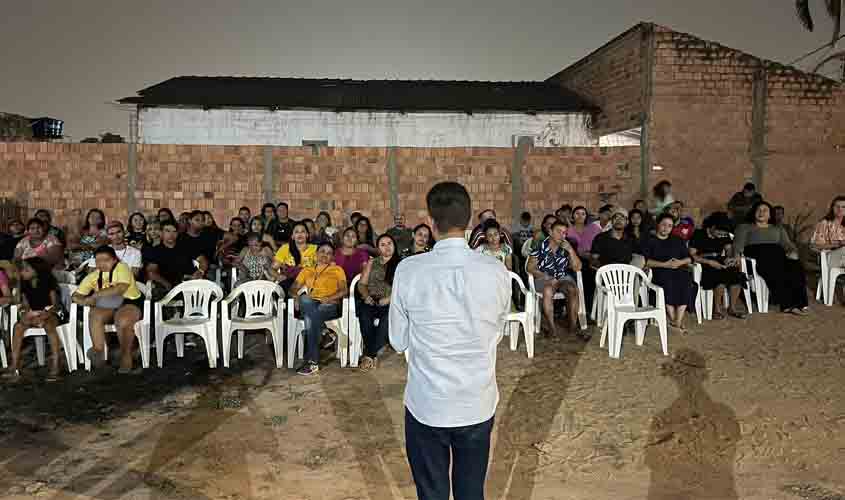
x,y
827,280
296,326
260,314
620,284
599,312
66,277
5,324
538,303
67,331
524,318
200,299
351,352
142,331
704,298
756,284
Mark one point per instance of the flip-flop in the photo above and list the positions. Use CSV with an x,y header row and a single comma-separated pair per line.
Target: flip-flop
x,y
51,378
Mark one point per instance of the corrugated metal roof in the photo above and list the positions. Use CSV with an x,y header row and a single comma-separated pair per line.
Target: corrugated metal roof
x,y
348,95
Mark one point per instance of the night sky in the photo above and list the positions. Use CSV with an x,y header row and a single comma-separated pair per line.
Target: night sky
x,y
69,60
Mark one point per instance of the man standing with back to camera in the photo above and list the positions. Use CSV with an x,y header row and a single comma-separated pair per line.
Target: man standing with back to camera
x,y
448,310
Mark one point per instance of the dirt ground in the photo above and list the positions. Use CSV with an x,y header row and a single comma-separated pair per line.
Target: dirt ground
x,y
743,409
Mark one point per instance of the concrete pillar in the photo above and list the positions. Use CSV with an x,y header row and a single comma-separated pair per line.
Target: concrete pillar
x,y
647,53
520,153
393,180
131,177
759,96
268,175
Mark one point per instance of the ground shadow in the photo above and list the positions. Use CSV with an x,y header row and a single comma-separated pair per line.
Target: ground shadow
x,y
692,443
528,418
358,403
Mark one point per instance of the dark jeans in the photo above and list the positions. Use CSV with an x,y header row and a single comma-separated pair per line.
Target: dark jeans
x,y
315,315
428,454
375,337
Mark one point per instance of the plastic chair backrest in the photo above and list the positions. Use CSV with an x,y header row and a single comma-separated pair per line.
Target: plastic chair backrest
x,y
258,296
65,292
515,277
66,277
621,281
144,289
197,297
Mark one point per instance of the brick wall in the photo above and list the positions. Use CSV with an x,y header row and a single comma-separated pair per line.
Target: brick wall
x,y
701,126
69,179
612,78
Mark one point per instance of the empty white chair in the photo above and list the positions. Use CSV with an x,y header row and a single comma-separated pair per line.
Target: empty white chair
x,y
262,311
538,303
296,326
200,299
826,291
67,331
142,331
524,318
619,282
756,284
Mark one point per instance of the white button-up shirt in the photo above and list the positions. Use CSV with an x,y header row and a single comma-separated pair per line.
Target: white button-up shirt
x,y
448,309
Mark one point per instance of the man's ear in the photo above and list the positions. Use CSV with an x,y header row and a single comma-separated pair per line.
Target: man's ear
x,y
434,232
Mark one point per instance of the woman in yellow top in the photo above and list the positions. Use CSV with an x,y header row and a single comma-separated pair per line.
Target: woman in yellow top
x,y
113,296
325,287
294,256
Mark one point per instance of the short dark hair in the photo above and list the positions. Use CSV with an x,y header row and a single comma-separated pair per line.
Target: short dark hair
x,y
566,206
557,223
606,208
106,250
36,220
779,207
749,186
115,223
245,208
525,216
485,211
252,236
664,215
195,213
282,204
169,222
45,212
449,205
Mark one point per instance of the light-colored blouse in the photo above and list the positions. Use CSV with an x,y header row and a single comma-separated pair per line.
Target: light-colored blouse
x,y
828,232
751,234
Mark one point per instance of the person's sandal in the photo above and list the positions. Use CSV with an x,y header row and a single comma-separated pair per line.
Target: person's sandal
x,y
96,358
737,314
366,364
718,316
12,376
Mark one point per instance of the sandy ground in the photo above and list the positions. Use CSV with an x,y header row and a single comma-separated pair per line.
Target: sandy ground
x,y
749,409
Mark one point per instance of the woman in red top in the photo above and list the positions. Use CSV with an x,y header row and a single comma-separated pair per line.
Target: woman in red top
x,y
349,256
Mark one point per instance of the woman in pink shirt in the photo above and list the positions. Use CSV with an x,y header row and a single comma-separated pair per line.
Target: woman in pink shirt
x,y
582,233
349,256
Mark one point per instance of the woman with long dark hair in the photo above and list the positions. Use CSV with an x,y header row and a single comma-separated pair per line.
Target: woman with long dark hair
x,y
366,237
292,257
423,241
351,258
92,236
136,230
668,258
270,217
41,306
375,287
777,257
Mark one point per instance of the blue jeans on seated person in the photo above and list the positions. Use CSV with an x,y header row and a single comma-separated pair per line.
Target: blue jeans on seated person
x,y
375,337
315,314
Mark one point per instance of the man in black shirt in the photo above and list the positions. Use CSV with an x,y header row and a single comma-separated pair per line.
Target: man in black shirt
x,y
169,263
8,241
613,246
284,225
198,244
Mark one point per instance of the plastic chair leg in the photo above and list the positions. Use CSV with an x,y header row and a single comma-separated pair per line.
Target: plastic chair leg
x,y
40,351
664,333
227,345
180,345
3,362
240,344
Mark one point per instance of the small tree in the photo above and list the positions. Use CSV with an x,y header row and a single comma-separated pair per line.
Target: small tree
x,y
834,11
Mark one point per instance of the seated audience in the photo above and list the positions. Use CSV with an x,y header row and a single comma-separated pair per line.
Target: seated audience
x,y
493,245
254,263
582,232
52,230
375,287
541,234
245,214
10,240
604,217
564,213
349,257
232,243
711,247
401,234
324,228
779,215
312,230
136,231
292,257
169,263
41,307
684,226
269,217
92,236
127,254
615,246
184,222
37,243
829,233
637,230
211,228
197,244
164,215
647,221
742,201
366,237
284,225
551,264
114,297
256,225
423,241
523,230
668,258
476,237
325,287
778,262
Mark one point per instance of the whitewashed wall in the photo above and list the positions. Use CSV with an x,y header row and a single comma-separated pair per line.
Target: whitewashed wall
x,y
366,129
